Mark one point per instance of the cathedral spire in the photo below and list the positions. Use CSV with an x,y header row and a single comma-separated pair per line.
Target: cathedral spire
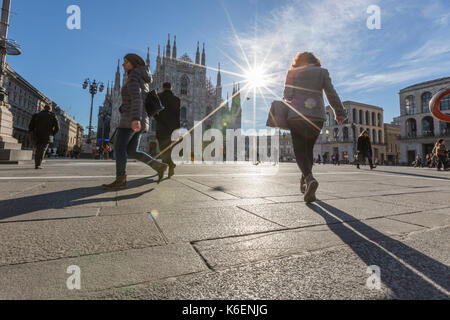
x,y
158,58
148,57
168,47
117,80
197,55
174,51
219,78
203,55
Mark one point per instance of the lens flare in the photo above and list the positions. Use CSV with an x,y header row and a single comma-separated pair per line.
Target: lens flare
x,y
256,77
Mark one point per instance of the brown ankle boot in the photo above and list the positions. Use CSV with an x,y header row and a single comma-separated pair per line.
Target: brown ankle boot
x,y
311,187
158,167
118,184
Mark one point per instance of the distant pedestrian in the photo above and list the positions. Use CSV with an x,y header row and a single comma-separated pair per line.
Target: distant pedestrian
x,y
133,121
42,128
305,82
441,153
319,160
364,149
167,121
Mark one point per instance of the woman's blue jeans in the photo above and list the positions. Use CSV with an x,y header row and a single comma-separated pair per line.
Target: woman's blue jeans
x,y
126,145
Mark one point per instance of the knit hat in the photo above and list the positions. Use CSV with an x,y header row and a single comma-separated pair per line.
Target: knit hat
x,y
135,60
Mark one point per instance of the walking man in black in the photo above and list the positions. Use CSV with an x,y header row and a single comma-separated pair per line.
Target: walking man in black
x,y
43,125
364,149
167,121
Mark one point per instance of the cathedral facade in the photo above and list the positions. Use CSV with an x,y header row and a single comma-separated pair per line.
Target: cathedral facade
x,y
199,96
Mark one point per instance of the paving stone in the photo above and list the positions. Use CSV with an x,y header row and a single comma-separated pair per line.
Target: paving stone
x,y
44,240
227,252
428,219
205,223
48,279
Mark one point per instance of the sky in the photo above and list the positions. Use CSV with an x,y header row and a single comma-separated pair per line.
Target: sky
x,y
366,65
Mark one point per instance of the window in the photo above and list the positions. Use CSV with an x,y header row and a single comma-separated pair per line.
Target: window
x,y
367,118
374,136
379,119
184,83
411,128
426,97
428,127
373,119
354,115
380,137
345,134
444,128
336,134
360,130
360,116
409,105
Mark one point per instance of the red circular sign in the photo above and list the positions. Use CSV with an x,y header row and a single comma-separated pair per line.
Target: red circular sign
x,y
435,105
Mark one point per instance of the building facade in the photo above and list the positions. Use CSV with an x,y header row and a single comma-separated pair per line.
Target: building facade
x,y
25,100
392,143
342,139
199,97
419,129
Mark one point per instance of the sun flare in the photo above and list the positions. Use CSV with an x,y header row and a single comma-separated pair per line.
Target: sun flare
x,y
256,77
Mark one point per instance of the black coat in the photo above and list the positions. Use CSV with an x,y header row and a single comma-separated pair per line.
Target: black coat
x,y
43,124
364,145
168,120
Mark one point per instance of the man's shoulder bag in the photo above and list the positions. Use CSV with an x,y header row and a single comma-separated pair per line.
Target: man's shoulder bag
x,y
152,104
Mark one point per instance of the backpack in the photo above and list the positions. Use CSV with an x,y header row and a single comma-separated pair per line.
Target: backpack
x,y
152,104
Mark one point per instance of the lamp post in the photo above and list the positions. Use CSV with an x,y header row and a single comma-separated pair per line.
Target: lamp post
x,y
93,87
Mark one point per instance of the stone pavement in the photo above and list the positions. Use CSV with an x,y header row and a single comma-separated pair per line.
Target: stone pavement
x,y
223,232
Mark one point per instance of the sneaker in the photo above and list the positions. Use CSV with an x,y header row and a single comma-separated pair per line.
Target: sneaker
x,y
311,188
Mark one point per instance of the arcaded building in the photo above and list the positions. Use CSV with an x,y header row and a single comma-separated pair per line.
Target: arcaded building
x,y
419,129
342,139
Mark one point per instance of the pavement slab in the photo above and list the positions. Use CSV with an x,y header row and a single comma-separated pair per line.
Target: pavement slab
x,y
46,240
48,279
223,253
206,223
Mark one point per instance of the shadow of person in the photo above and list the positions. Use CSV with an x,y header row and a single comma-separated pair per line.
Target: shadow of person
x,y
413,174
68,198
408,273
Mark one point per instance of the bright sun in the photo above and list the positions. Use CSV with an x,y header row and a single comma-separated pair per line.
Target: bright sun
x,y
256,77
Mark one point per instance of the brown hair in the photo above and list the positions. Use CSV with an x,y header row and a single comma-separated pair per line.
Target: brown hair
x,y
304,58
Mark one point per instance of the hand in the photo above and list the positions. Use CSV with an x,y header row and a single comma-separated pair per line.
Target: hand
x,y
136,126
340,119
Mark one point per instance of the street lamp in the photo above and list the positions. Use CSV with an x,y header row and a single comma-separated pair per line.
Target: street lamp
x,y
93,86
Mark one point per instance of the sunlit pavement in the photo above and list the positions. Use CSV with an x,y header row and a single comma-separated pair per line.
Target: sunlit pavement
x,y
224,232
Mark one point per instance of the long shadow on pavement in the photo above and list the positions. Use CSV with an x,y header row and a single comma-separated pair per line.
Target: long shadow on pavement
x,y
413,174
381,250
66,198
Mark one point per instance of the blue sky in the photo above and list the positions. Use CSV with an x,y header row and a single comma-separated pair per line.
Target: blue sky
x,y
368,66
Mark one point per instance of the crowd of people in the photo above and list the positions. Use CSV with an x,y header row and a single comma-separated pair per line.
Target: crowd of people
x,y
438,158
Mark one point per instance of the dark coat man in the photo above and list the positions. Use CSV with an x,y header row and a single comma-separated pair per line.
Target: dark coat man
x,y
364,149
167,121
42,125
